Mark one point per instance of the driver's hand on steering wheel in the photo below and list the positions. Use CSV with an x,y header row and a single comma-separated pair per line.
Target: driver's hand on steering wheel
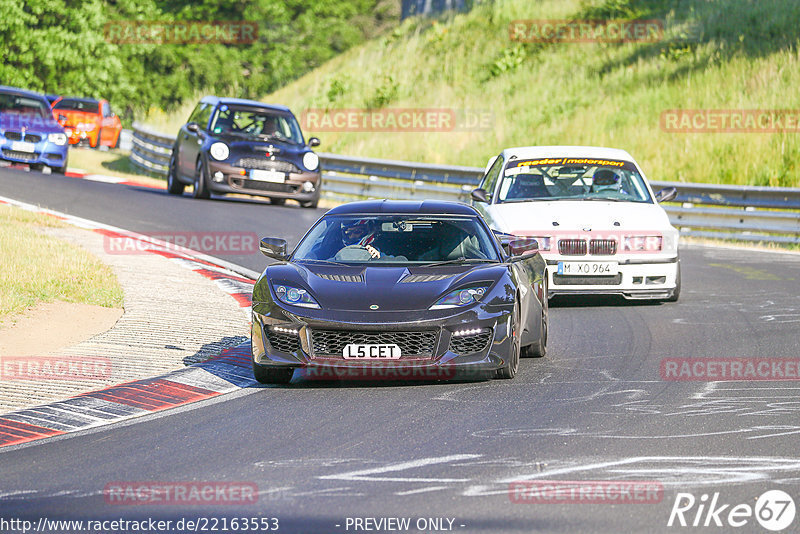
x,y
373,251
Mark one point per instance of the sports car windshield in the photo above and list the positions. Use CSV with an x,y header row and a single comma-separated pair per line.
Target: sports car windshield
x,y
256,124
10,103
572,179
411,239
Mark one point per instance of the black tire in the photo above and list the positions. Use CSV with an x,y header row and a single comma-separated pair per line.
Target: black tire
x,y
99,137
509,370
61,170
277,201
174,186
116,143
310,204
200,181
272,375
539,349
676,293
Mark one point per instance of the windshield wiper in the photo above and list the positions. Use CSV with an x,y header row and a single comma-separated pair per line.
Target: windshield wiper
x,y
460,260
328,262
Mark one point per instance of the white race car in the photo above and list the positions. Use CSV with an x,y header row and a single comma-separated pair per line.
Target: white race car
x,y
596,219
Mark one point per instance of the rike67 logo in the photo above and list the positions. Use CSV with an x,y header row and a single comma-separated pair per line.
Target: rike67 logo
x,y
774,510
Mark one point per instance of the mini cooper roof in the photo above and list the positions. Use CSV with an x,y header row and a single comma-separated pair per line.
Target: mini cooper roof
x,y
21,92
534,152
425,207
214,100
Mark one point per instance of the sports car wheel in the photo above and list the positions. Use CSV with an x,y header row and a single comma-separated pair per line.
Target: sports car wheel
x,y
200,183
174,187
269,375
510,368
539,349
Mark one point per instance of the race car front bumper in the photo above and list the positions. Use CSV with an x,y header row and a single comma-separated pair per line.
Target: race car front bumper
x,y
651,278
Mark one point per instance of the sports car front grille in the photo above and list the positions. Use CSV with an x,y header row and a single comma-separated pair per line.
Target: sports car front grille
x,y
412,344
603,247
263,186
570,280
470,344
16,154
17,136
268,165
572,247
283,342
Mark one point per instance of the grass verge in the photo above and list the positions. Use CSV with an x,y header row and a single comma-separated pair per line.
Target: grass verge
x,y
40,268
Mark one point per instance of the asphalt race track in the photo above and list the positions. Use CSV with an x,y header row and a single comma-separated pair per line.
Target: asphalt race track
x,y
596,408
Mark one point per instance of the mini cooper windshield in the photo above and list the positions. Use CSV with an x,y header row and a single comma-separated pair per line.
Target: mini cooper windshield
x,y
572,179
253,123
398,239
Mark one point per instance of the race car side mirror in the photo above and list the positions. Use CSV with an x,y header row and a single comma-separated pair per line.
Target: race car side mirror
x,y
193,127
274,248
314,141
479,195
522,248
666,194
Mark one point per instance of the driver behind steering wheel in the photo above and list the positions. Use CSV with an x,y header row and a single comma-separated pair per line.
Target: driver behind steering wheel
x,y
361,233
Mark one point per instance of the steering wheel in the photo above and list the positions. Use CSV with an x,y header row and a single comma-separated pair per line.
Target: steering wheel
x,y
353,252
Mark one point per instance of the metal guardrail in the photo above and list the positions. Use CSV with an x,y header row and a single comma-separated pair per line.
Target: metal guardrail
x,y
744,213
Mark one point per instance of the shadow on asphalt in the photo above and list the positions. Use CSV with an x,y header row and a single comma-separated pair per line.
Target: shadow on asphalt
x,y
586,301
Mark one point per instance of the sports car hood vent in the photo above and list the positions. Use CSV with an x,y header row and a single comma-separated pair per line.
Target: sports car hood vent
x,y
412,278
355,278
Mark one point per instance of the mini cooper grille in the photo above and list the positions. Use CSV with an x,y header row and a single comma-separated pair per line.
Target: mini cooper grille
x,y
283,342
24,156
470,344
572,247
569,280
604,247
332,342
17,136
268,165
263,186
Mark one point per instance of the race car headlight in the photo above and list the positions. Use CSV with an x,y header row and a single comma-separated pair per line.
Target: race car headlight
x,y
460,297
643,243
310,161
59,139
295,296
219,151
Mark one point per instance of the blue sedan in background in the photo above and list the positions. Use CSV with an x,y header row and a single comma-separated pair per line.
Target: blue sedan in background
x,y
28,132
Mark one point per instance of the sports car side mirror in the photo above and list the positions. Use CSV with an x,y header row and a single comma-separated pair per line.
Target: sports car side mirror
x,y
479,195
274,248
666,194
314,141
522,248
193,127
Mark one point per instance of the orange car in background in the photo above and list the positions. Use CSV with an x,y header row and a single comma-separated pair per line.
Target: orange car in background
x,y
88,121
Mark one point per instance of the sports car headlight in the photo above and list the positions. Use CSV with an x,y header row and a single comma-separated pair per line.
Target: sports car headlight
x,y
295,296
460,297
219,151
59,139
310,161
643,243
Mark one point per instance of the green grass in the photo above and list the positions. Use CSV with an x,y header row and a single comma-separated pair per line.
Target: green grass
x,y
39,268
717,54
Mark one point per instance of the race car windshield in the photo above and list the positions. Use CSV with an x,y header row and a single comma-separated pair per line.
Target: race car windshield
x,y
22,105
73,104
256,124
405,239
552,179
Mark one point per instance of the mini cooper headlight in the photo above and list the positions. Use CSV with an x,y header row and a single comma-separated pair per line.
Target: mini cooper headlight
x,y
219,151
295,296
460,297
59,139
310,161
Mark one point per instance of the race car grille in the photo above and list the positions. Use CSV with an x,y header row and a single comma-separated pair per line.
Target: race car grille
x,y
412,344
17,136
283,342
567,280
470,344
268,165
263,186
603,247
16,154
572,247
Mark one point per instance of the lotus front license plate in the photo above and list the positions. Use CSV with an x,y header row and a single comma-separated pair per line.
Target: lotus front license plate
x,y
371,352
588,268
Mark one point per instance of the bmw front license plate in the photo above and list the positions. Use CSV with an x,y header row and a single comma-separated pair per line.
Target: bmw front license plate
x,y
22,146
588,268
371,352
267,176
